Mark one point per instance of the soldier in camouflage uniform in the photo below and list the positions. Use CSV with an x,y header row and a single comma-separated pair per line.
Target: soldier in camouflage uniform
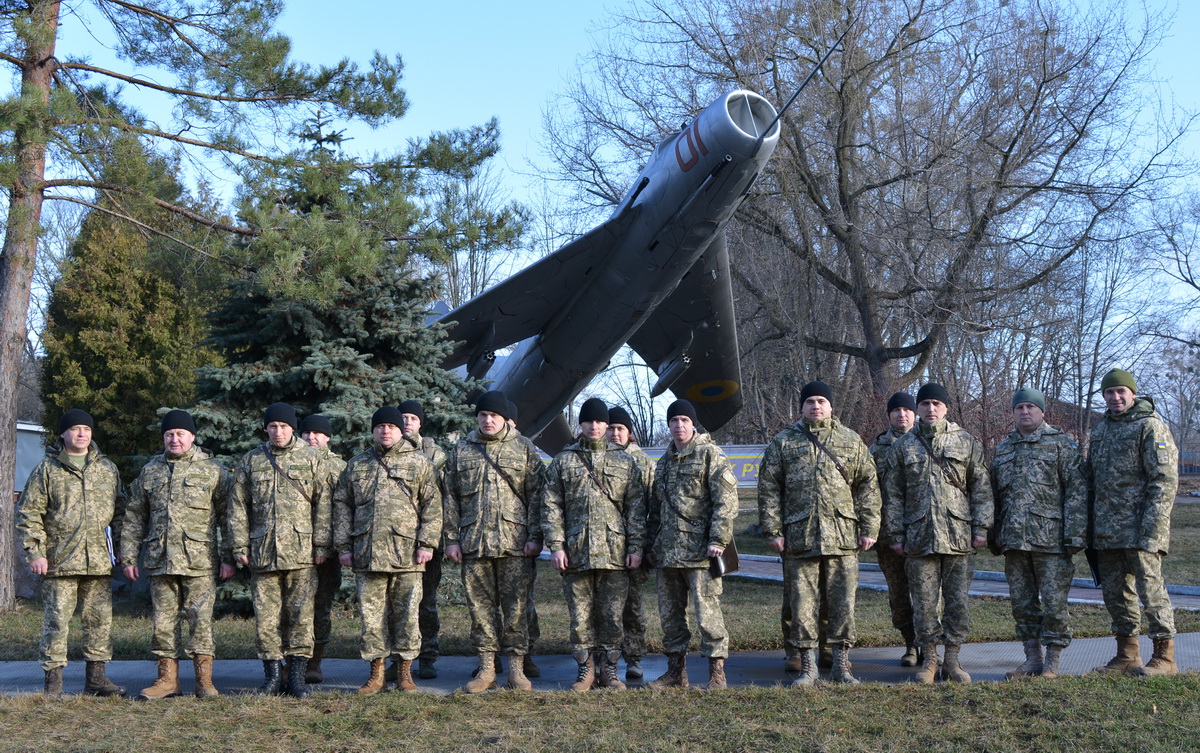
x,y
1132,477
67,519
280,526
690,520
316,431
901,412
387,520
1041,522
620,432
594,522
818,504
493,482
531,615
176,508
939,509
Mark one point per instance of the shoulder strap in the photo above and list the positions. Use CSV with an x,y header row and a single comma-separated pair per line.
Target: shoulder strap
x,y
271,457
821,445
947,471
587,463
399,482
504,475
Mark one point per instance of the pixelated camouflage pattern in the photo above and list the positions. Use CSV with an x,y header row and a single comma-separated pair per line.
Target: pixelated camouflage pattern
x,y
679,588
693,504
1040,492
1132,471
813,582
329,572
940,579
803,497
595,600
497,598
388,603
60,595
283,611
1130,575
176,601
899,600
1038,584
881,454
431,579
926,511
634,614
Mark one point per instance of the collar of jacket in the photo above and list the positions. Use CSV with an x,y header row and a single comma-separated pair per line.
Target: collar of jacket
x,y
286,448
478,436
190,455
1042,430
583,444
414,439
59,450
396,449
821,424
933,429
1142,407
698,439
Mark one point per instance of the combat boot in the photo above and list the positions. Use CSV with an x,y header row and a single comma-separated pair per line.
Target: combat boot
x,y
313,673
1128,659
296,687
404,678
54,682
608,671
587,671
516,675
929,666
529,668
793,663
842,667
1050,669
633,668
485,675
272,678
1033,661
825,658
808,672
202,665
425,668
375,681
97,682
952,671
1162,662
716,674
676,674
912,656
392,671
167,684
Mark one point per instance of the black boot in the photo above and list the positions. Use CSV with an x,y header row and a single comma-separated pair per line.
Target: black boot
x,y
297,666
272,677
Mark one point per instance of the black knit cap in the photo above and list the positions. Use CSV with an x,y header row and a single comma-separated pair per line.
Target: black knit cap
x,y
318,423
681,408
493,402
933,391
513,414
816,389
75,417
901,400
386,415
593,409
178,419
413,407
281,412
618,415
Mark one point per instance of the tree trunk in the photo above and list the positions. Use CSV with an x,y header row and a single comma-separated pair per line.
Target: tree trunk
x,y
19,256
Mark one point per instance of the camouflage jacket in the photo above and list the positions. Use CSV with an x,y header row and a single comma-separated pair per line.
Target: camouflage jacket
x,y
1132,472
1040,493
278,524
387,506
595,505
489,513
331,466
803,497
881,453
935,505
693,505
63,511
176,509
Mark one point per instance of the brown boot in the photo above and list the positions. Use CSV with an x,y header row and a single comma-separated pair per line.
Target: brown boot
x,y
375,682
313,674
1033,661
54,682
808,671
716,674
202,664
1050,668
167,684
587,671
608,670
929,666
1162,662
676,674
97,682
952,671
485,675
842,669
516,675
404,678
793,663
1127,661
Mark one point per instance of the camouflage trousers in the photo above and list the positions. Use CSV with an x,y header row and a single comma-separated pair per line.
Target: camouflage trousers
x,y
428,619
329,580
676,587
595,602
809,581
899,600
498,585
531,616
1127,575
790,648
389,604
60,595
176,600
283,612
1038,584
633,617
944,576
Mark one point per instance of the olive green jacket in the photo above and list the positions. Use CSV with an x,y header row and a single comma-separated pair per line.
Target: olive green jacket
x,y
1133,474
63,511
177,507
1040,493
881,453
693,506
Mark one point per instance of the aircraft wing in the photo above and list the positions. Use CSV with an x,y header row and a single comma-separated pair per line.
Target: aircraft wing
x,y
521,305
691,340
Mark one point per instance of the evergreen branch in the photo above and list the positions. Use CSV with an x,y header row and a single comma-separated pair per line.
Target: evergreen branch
x,y
276,98
180,139
174,23
10,59
175,208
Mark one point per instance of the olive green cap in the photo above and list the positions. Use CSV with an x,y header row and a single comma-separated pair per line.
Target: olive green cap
x,y
1118,378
